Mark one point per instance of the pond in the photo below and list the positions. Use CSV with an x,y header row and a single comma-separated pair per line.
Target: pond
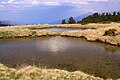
x,y
57,29
67,53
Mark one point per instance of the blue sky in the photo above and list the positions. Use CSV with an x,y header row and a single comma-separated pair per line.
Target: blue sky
x,y
47,11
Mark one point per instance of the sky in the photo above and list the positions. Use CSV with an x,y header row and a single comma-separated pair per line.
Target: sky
x,y
48,11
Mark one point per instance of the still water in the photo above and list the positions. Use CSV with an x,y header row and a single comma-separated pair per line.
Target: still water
x,y
67,53
57,29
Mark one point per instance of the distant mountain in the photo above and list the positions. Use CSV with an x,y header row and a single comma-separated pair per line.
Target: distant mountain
x,y
78,18
5,23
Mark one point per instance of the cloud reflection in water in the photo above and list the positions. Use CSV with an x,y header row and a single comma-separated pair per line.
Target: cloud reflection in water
x,y
54,45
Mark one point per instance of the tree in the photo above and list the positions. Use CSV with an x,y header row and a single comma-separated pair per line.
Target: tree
x,y
118,13
96,14
71,20
63,21
118,16
114,13
103,14
104,18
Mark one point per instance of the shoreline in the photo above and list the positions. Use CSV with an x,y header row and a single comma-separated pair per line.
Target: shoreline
x,y
93,35
32,72
36,73
96,35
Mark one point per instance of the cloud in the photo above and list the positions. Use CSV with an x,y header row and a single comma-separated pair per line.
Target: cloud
x,y
97,0
12,4
48,2
10,1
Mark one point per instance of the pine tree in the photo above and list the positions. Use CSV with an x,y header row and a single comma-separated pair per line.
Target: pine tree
x,y
104,17
63,21
118,16
114,13
118,13
71,20
96,18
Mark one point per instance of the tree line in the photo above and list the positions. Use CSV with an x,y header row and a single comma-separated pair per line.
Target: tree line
x,y
70,21
96,18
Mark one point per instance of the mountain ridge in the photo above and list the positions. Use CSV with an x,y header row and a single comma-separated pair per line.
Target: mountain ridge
x,y
77,18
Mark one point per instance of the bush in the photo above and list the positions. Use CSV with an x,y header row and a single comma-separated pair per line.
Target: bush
x,y
110,32
33,34
82,23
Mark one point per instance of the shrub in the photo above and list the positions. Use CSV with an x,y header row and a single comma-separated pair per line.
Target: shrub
x,y
34,33
82,23
110,32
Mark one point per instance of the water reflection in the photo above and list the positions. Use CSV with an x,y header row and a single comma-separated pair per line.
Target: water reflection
x,y
95,58
111,48
54,45
55,29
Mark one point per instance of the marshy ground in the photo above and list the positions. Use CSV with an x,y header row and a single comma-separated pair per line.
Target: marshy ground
x,y
98,34
34,73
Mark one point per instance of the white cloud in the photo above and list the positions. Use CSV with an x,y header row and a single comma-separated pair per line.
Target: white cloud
x,y
10,1
3,2
30,3
97,0
50,2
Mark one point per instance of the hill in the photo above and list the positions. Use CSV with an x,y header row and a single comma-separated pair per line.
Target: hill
x,y
77,18
6,23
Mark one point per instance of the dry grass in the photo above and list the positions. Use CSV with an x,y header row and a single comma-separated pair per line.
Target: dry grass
x,y
90,25
35,73
13,32
97,35
91,35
